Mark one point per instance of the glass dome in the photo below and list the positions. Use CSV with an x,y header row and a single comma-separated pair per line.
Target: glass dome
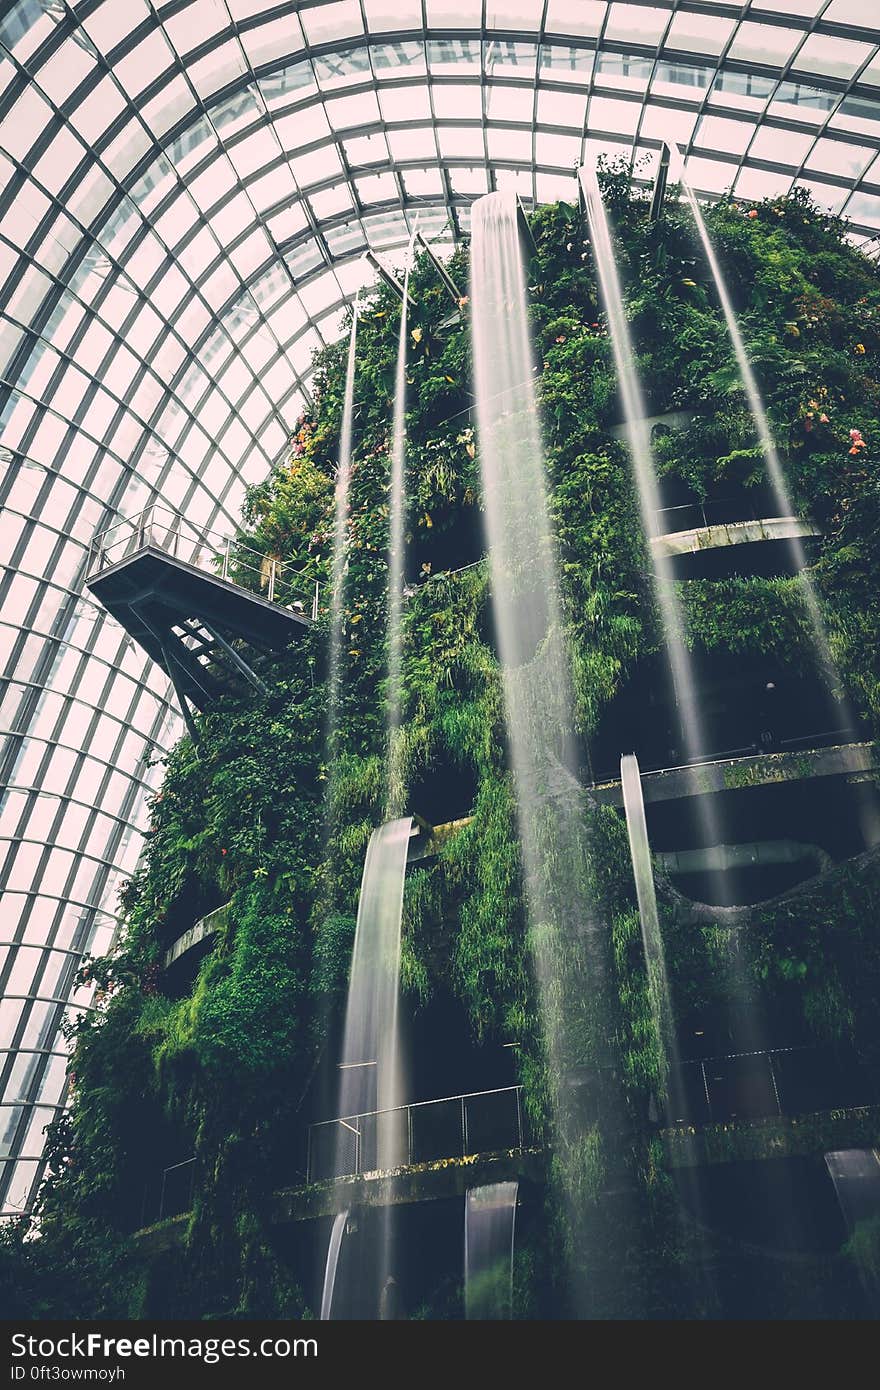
x,y
188,189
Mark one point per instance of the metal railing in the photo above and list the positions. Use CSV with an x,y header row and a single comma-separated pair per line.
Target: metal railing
x,y
777,1081
170,1192
716,511
200,930
826,740
224,557
424,1132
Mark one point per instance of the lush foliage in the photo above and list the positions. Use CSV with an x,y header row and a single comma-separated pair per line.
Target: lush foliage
x,y
256,816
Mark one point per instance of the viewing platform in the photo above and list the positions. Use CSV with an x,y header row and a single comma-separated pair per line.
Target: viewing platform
x,y
770,1137
186,946
713,534
732,1140
201,604
854,761
697,538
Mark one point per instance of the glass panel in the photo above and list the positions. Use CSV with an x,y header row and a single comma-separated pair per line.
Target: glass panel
x,y
832,57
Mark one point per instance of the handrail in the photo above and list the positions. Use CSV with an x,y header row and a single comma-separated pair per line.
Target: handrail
x,y
415,1105
227,557
747,509
779,1097
738,755
173,1168
359,1126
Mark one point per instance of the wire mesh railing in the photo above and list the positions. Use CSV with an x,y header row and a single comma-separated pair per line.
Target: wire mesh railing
x,y
222,556
717,511
169,1192
425,1132
779,1081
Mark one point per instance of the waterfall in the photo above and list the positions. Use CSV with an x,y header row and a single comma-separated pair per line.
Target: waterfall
x,y
371,1128
740,984
569,942
772,460
340,531
655,956
838,702
396,546
534,657
856,1177
370,1066
642,463
336,1235
489,1221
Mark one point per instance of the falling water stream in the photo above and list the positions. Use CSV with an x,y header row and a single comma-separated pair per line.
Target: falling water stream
x,y
340,532
739,984
568,941
772,460
534,659
642,462
839,704
856,1177
396,547
489,1223
336,1234
371,1128
655,955
371,1131
370,1065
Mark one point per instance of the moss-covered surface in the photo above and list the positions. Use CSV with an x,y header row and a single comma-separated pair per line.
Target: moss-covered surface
x,y
227,1071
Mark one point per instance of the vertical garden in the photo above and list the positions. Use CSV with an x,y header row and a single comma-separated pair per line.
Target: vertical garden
x,y
227,1065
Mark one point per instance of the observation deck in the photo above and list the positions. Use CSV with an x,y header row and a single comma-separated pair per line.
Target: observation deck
x,y
853,761
695,539
768,1133
711,534
201,604
191,944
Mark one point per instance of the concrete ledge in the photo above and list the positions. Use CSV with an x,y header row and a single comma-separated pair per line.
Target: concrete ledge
x,y
732,774
205,927
164,1235
421,1182
773,528
682,1145
775,1137
674,420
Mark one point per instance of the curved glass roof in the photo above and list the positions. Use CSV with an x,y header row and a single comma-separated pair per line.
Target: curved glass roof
x,y
187,190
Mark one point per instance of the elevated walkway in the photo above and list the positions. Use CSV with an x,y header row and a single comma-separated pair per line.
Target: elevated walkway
x,y
776,1136
200,604
202,931
809,1135
854,761
711,535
